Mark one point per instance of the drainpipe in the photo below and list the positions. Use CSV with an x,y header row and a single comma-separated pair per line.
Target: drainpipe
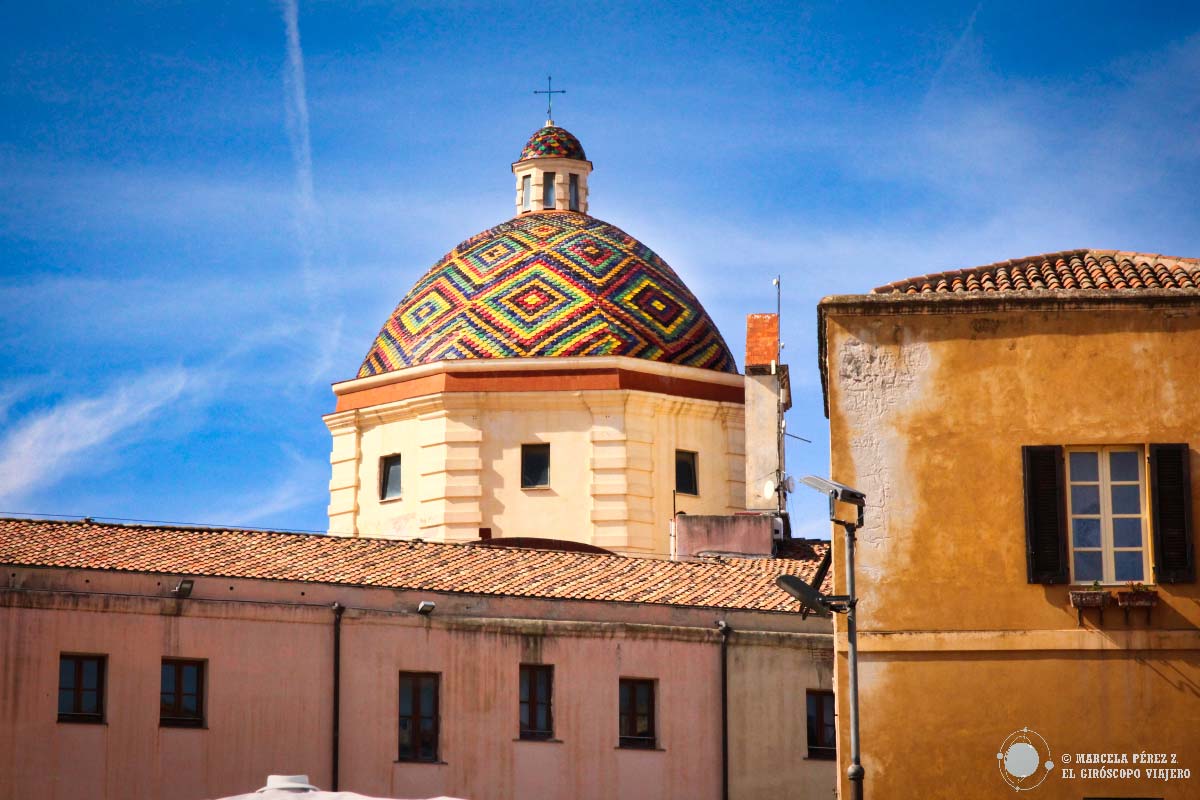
x,y
338,610
723,626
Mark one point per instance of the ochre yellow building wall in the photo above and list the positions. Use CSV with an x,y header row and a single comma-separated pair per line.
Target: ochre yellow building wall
x,y
929,406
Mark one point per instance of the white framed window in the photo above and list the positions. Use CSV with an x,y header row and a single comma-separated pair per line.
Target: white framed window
x,y
390,486
1106,506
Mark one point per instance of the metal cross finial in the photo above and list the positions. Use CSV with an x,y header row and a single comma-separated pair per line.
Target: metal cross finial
x,y
550,92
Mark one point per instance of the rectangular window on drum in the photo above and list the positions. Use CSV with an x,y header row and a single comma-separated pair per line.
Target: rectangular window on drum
x,y
389,477
526,192
686,479
574,192
547,190
535,466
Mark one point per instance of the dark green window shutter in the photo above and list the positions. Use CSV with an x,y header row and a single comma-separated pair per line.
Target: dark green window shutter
x,y
1171,509
1045,515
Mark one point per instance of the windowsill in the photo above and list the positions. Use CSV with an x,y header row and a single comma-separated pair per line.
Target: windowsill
x,y
397,499
420,761
73,720
687,494
549,739
183,724
544,488
811,757
627,748
1114,585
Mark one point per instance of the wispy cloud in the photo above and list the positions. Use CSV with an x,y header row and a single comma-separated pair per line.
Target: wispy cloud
x,y
308,218
954,53
296,106
44,446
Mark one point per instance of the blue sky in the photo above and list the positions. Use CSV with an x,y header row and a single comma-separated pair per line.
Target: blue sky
x,y
204,220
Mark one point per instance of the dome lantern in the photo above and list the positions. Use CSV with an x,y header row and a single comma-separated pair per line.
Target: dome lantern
x,y
552,172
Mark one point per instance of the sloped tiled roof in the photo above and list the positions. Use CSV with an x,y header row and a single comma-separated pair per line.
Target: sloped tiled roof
x,y
1105,270
733,583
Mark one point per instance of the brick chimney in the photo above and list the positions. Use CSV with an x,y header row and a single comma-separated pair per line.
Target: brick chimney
x,y
768,396
762,339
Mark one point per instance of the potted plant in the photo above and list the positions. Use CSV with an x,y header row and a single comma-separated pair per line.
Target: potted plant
x,y
1094,596
1137,595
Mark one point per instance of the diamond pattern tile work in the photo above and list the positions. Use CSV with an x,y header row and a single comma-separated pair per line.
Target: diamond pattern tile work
x,y
553,142
555,283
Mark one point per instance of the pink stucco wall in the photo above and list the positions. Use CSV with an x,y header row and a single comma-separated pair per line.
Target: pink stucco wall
x,y
269,651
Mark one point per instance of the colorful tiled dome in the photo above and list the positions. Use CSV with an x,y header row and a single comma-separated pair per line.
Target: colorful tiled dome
x,y
557,283
553,142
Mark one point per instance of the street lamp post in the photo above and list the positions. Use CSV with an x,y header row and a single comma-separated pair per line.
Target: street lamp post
x,y
811,597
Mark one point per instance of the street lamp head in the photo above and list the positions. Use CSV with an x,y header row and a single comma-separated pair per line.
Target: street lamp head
x,y
838,491
809,596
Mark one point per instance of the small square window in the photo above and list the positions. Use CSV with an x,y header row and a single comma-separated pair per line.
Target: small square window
x,y
81,688
535,465
389,477
822,740
181,699
536,701
418,716
686,479
637,713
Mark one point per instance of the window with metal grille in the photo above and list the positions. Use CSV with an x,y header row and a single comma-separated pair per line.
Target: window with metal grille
x,y
637,713
181,698
822,742
418,716
537,701
81,688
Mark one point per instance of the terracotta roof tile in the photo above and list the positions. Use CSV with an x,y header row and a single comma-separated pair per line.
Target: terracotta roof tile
x,y
1105,270
726,582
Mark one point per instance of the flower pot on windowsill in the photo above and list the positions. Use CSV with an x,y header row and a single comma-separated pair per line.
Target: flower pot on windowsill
x,y
1090,598
1137,596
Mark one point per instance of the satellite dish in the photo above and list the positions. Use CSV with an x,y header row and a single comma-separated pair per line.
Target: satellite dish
x,y
768,489
789,483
